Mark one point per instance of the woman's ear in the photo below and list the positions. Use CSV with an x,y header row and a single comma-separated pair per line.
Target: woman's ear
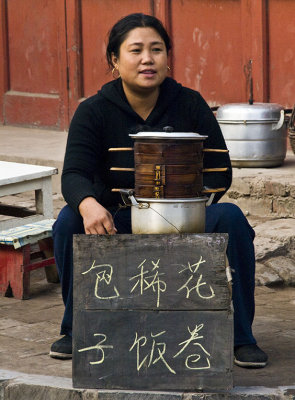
x,y
114,60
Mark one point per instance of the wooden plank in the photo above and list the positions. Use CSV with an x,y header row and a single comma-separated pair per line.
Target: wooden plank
x,y
15,222
166,350
152,312
180,272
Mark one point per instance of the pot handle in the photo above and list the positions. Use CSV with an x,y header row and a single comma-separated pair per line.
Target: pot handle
x,y
127,197
211,198
279,124
207,190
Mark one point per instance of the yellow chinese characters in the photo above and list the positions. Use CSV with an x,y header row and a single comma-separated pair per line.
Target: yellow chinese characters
x,y
103,279
100,347
194,282
147,281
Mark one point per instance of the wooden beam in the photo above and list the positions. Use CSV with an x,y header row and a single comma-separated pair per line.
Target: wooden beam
x,y
254,25
74,54
4,77
162,11
260,50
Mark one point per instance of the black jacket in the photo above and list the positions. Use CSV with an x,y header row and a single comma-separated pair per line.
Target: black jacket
x,y
106,119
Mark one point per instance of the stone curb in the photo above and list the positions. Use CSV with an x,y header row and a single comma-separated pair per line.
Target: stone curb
x,y
270,196
14,385
275,252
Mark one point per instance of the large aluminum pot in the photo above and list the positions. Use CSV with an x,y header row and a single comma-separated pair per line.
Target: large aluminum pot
x,y
155,216
255,134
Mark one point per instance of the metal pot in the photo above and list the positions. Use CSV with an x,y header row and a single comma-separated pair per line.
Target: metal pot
x,y
154,216
255,134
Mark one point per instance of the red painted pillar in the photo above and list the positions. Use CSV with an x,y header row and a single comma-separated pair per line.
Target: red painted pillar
x,y
3,57
162,11
254,25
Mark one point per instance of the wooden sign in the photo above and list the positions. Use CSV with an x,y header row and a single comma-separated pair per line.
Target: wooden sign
x,y
152,312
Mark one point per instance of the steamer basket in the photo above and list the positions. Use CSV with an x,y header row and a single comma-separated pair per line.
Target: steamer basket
x,y
168,165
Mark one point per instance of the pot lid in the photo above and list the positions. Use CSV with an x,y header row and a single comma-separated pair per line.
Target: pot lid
x,y
249,112
168,135
172,201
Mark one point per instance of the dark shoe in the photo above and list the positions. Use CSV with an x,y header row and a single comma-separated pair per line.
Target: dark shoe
x,y
250,356
62,348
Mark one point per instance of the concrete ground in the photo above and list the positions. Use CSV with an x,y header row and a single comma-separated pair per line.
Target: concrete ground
x,y
27,328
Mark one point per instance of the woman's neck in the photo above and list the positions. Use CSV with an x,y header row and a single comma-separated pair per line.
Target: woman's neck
x,y
142,103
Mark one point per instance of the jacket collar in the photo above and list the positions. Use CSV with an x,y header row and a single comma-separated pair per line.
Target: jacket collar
x,y
169,90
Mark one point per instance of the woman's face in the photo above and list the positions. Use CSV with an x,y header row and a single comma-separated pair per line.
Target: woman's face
x,y
142,61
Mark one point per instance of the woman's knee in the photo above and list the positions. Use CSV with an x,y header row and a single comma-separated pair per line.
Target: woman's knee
x,y
231,212
227,216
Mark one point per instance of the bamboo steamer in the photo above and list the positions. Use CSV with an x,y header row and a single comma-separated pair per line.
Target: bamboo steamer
x,y
168,164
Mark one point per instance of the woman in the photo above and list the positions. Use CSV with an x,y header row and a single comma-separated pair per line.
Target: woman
x,y
143,97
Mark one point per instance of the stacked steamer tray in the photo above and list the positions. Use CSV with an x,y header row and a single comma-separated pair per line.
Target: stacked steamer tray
x,y
169,196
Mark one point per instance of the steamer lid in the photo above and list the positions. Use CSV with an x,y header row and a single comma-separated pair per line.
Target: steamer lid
x,y
169,135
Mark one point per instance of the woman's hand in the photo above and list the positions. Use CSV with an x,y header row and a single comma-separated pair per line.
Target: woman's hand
x,y
96,218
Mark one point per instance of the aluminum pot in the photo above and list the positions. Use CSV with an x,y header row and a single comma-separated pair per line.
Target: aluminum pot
x,y
255,134
155,216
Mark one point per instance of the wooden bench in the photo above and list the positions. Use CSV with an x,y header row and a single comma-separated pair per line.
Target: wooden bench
x,y
22,250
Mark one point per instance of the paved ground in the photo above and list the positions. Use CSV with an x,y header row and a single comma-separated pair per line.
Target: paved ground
x,y
27,328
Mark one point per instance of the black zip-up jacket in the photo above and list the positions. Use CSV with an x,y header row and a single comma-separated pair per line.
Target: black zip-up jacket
x,y
106,119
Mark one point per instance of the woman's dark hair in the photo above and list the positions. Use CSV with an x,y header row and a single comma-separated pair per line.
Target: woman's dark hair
x,y
120,30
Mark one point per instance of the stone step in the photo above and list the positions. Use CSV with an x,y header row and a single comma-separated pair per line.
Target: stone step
x,y
14,385
268,192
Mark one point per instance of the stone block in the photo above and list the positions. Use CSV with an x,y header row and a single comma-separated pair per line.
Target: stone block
x,y
275,238
268,247
292,191
90,394
231,195
284,207
252,205
265,276
257,187
23,391
241,186
275,188
256,206
280,229
284,267
137,395
254,393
